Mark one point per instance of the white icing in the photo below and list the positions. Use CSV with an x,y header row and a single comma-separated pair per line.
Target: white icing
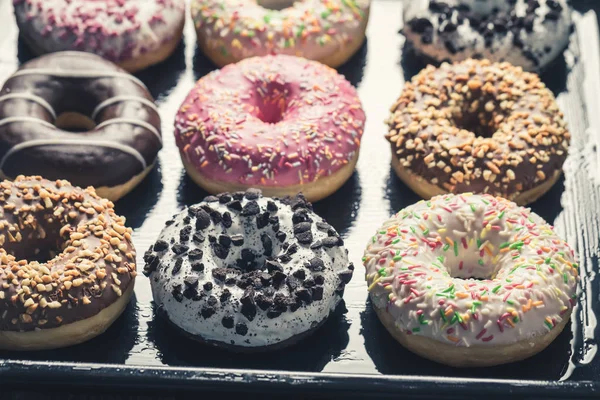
x,y
131,121
79,142
10,120
328,26
510,281
119,99
262,330
31,97
546,33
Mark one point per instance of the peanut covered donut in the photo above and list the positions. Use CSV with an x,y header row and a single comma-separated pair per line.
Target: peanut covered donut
x,y
477,126
133,34
471,280
283,124
67,264
246,272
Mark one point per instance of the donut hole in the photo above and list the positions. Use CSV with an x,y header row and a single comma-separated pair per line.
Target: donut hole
x,y
468,261
74,122
275,5
36,242
245,249
272,103
476,116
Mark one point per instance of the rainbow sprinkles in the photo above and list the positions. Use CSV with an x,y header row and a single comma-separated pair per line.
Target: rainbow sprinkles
x,y
471,271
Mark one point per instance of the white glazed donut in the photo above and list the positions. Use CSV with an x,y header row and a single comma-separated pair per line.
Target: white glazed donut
x,y
133,34
530,34
326,31
248,272
471,280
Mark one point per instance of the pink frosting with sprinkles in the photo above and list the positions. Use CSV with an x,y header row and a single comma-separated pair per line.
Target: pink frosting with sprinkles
x,y
117,30
270,121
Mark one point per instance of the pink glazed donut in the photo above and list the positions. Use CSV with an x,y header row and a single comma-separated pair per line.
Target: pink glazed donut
x,y
131,33
281,123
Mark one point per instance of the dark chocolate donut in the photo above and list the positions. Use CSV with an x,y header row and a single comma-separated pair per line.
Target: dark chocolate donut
x,y
118,150
477,126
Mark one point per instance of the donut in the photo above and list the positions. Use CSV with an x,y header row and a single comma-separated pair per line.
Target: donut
x,y
471,280
529,34
67,264
75,116
133,34
246,272
282,124
326,31
477,126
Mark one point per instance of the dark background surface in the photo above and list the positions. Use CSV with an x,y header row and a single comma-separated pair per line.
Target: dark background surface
x,y
353,341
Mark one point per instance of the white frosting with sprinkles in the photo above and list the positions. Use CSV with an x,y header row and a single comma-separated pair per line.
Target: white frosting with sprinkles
x,y
471,270
247,271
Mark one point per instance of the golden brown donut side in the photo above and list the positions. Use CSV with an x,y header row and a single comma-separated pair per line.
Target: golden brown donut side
x,y
518,138
91,259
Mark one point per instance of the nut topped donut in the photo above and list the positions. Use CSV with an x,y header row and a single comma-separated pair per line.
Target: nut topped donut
x,y
133,34
279,123
117,125
527,33
67,264
477,126
248,272
471,280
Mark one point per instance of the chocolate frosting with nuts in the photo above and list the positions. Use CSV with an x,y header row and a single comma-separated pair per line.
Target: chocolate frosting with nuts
x,y
477,126
91,259
125,141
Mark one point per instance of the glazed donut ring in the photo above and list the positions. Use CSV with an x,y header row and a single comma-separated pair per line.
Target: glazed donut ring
x,y
326,31
530,34
122,133
133,34
279,123
88,278
476,126
471,280
247,272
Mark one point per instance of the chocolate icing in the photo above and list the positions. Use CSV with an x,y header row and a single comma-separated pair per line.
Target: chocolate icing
x,y
94,266
480,127
59,85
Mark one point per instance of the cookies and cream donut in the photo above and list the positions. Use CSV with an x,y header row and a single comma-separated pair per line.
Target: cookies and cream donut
x,y
326,31
67,264
476,126
133,34
471,280
530,34
279,123
46,96
248,272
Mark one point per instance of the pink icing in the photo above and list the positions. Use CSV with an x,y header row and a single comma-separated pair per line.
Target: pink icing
x,y
117,30
270,121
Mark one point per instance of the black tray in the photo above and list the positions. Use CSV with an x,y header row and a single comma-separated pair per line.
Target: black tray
x,y
352,353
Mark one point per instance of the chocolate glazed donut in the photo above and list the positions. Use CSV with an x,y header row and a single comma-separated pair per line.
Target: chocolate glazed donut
x,y
121,133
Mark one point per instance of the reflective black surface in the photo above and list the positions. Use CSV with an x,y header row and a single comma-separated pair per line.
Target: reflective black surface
x,y
352,341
